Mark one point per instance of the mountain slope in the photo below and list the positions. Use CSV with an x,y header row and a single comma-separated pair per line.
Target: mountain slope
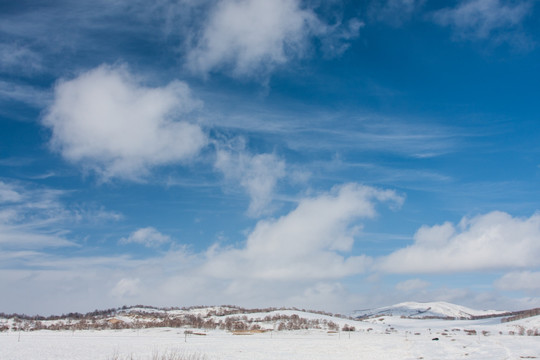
x,y
418,310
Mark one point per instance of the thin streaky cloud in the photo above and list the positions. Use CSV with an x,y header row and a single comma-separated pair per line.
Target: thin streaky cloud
x,y
361,132
484,19
30,95
36,218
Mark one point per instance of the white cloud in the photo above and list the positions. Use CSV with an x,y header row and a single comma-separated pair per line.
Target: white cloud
x,y
324,295
15,237
395,12
251,37
412,285
126,287
308,243
147,236
492,241
519,280
93,214
481,19
107,121
8,193
294,260
257,174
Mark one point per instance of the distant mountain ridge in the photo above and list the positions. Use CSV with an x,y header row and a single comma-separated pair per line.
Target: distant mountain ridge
x,y
436,310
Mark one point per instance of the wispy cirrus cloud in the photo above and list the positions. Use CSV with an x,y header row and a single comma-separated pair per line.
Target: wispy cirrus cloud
x,y
34,218
19,92
412,140
485,19
394,12
105,120
496,21
20,59
9,194
309,129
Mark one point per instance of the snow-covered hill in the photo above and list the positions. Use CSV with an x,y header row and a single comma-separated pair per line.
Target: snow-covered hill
x,y
227,318
418,310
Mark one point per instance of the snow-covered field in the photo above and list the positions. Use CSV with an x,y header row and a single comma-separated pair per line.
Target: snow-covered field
x,y
390,338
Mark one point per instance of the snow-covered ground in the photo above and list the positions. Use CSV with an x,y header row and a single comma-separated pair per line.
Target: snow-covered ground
x,y
381,338
400,335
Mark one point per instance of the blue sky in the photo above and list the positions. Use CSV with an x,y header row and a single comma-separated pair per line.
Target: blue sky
x,y
328,155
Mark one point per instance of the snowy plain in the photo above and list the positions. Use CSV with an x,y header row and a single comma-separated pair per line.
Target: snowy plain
x,y
381,337
301,345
